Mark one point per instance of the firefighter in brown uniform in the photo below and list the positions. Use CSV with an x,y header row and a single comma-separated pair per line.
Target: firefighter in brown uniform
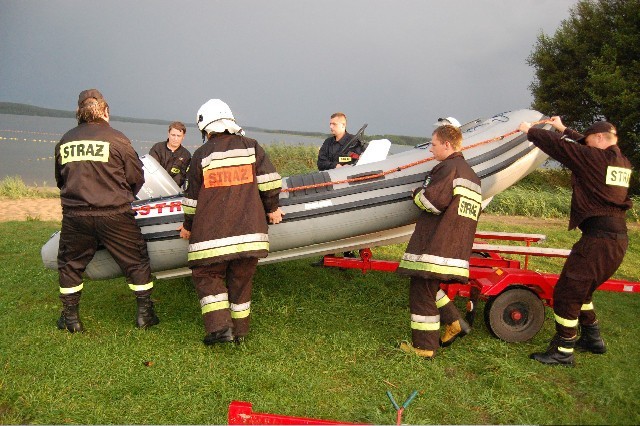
x,y
441,244
98,173
232,188
600,180
171,154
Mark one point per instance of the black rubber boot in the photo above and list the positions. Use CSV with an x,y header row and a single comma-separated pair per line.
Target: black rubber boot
x,y
559,352
220,336
70,319
146,316
590,339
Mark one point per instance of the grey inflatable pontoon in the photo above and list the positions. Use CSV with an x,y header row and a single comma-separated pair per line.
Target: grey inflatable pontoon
x,y
329,217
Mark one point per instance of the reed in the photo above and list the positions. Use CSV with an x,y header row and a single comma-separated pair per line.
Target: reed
x,y
14,187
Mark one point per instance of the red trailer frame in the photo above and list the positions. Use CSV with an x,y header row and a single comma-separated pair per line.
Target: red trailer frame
x,y
515,296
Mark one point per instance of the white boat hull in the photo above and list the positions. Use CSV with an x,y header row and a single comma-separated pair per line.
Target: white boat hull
x,y
338,217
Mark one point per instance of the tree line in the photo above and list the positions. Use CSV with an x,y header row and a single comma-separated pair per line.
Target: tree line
x,y
589,70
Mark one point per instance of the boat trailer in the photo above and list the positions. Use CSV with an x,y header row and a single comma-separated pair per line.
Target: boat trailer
x,y
515,299
515,296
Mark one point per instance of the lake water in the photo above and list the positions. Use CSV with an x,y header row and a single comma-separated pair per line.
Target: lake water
x,y
27,143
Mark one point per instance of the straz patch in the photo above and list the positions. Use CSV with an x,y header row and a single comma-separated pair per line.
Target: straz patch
x,y
84,151
618,176
228,176
469,208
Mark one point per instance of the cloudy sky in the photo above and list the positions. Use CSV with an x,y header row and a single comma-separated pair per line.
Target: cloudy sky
x,y
397,65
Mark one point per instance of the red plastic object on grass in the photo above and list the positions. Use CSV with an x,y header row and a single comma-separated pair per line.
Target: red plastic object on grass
x,y
241,413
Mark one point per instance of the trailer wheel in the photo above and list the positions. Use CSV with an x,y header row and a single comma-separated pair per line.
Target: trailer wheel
x,y
515,315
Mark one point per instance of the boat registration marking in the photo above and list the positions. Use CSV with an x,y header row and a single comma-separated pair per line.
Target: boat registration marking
x,y
318,205
158,209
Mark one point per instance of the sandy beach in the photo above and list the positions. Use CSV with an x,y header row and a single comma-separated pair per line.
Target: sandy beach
x,y
30,209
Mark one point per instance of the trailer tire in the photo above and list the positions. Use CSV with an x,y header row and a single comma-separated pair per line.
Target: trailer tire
x,y
515,315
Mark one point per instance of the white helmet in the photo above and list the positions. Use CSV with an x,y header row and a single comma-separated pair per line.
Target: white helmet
x,y
215,116
448,120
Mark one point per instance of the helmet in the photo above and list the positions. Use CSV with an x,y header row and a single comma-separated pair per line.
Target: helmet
x,y
448,120
213,110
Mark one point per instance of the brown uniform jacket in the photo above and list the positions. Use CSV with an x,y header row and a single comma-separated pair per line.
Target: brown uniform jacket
x,y
231,186
174,162
600,177
441,244
97,170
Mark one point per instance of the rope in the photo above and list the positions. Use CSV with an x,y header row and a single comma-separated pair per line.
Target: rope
x,y
403,167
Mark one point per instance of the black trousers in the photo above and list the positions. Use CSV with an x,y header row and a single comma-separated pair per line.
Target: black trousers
x,y
593,260
79,240
224,290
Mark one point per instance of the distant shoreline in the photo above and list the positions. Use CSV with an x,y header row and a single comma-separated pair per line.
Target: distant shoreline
x,y
36,111
15,108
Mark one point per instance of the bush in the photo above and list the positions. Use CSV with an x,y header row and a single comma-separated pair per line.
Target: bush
x,y
548,179
523,201
293,160
13,187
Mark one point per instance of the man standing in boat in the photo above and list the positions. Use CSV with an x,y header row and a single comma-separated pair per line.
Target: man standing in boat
x,y
600,176
171,154
332,153
232,190
98,173
440,247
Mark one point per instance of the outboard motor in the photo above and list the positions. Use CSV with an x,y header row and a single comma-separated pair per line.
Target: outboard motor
x,y
157,181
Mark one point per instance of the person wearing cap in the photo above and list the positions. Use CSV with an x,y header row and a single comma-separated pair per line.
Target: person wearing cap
x,y
440,246
331,153
600,176
171,154
99,173
232,191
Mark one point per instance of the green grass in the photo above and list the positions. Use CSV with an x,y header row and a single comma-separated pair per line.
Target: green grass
x,y
320,346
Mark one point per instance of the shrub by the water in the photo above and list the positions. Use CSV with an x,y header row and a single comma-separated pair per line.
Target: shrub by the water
x,y
13,187
293,160
523,201
544,193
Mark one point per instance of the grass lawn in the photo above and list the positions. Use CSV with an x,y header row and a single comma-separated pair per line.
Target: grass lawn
x,y
321,346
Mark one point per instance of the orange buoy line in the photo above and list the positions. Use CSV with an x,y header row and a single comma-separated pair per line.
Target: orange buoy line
x,y
400,168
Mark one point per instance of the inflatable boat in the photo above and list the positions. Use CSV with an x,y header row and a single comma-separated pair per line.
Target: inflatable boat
x,y
348,208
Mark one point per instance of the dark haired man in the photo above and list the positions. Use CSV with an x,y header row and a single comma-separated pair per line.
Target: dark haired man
x,y
600,176
330,155
98,173
171,154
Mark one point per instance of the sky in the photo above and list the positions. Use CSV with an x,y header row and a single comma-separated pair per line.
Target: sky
x,y
397,65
